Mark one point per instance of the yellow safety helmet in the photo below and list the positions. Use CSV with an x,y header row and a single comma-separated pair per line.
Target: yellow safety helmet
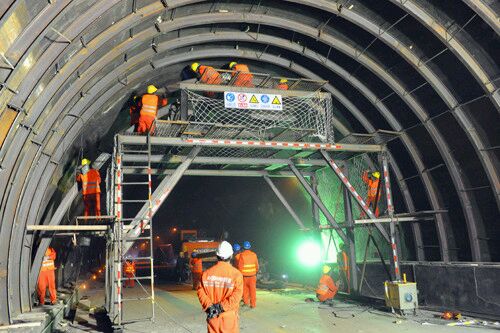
x,y
376,174
326,269
85,162
152,89
195,66
232,64
283,81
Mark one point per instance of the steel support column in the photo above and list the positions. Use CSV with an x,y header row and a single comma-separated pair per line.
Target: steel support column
x,y
349,221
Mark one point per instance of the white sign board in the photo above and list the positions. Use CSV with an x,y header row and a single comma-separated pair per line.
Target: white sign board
x,y
252,101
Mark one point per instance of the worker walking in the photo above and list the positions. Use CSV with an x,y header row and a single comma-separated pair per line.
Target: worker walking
x,y
283,85
196,265
241,74
149,110
47,277
343,262
129,270
236,256
220,293
248,264
327,289
89,180
373,187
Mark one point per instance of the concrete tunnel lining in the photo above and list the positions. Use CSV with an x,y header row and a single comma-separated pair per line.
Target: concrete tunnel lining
x,y
27,168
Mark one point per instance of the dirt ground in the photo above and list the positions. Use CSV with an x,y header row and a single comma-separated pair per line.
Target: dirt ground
x,y
177,310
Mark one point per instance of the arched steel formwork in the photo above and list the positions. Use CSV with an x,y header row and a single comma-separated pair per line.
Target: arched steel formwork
x,y
65,63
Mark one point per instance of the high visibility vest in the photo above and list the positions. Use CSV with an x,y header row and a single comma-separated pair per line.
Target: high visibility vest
x,y
326,287
196,265
90,182
248,263
209,75
372,187
282,86
48,260
149,105
130,267
244,78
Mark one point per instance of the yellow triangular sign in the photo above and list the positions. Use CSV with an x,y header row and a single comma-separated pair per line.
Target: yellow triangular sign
x,y
254,99
276,100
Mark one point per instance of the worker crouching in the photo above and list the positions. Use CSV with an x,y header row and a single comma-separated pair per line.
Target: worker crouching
x,y
196,270
220,293
90,181
47,277
327,289
248,265
150,103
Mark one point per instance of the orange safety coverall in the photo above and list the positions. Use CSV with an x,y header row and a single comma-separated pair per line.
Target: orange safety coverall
x,y
209,76
222,283
196,270
91,192
248,264
149,111
343,261
282,86
372,191
244,78
129,269
47,277
326,288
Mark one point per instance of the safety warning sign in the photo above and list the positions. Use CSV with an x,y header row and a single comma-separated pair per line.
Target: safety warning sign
x,y
252,101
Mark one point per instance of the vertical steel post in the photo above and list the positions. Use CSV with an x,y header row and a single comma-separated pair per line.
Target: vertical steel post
x,y
349,221
118,229
151,237
315,209
392,226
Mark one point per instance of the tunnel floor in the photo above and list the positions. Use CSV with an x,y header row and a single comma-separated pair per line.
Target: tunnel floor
x,y
178,310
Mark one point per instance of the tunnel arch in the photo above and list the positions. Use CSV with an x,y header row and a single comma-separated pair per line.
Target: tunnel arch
x,y
40,63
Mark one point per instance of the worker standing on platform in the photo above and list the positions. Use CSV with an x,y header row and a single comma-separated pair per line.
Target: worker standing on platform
x,y
47,277
373,187
248,264
243,76
150,103
343,262
196,265
236,256
89,180
129,270
206,75
283,85
220,293
327,289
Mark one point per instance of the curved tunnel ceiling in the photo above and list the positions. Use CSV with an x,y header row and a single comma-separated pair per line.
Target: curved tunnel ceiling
x,y
427,69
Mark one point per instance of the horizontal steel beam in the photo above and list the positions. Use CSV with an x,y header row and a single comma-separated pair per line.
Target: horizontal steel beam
x,y
221,160
230,143
67,227
219,173
388,219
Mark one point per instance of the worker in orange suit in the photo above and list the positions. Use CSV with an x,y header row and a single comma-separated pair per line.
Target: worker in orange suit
x,y
372,182
237,253
89,180
135,107
206,75
220,293
243,76
248,264
343,262
283,85
196,270
327,289
129,271
47,277
149,110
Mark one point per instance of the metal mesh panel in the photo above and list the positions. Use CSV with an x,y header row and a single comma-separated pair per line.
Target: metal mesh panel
x,y
312,113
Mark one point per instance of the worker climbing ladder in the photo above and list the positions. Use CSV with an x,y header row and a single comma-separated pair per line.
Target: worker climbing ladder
x,y
126,231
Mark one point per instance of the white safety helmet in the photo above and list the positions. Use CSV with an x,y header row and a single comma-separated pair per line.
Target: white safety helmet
x,y
225,250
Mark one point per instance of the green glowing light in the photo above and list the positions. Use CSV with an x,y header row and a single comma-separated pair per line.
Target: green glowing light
x,y
309,254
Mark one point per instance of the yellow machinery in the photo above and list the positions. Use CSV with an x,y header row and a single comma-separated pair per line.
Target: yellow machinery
x,y
401,295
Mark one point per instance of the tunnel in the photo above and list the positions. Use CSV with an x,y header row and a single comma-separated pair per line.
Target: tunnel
x,y
426,71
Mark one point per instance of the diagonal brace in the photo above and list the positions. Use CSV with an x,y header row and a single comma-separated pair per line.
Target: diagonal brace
x,y
354,193
284,202
319,203
158,197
